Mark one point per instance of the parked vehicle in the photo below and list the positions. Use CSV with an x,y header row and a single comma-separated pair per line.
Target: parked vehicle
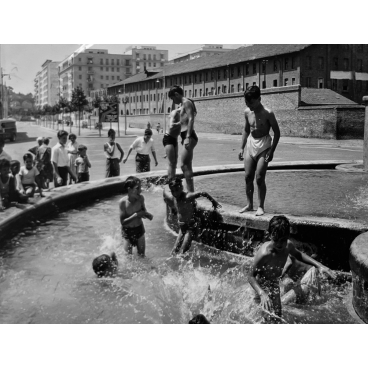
x,y
8,129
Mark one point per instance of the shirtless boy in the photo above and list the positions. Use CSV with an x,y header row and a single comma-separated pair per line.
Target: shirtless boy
x,y
185,205
188,135
259,146
132,211
269,262
170,142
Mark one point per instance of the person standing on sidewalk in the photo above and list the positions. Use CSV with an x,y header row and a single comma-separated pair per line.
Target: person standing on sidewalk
x,y
143,146
113,160
60,160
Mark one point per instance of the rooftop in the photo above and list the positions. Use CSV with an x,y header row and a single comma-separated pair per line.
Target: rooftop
x,y
323,96
245,53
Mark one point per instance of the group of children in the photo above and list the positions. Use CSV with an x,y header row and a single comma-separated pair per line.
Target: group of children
x,y
275,263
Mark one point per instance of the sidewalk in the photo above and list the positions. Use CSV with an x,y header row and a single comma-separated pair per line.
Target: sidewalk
x,y
133,132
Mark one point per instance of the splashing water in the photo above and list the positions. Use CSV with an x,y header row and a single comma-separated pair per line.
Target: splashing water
x,y
46,276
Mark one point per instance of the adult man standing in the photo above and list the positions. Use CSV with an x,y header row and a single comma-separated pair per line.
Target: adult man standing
x,y
188,135
260,146
60,160
113,160
143,145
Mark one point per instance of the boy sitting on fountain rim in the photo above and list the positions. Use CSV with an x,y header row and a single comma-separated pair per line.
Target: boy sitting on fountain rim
x,y
185,204
269,267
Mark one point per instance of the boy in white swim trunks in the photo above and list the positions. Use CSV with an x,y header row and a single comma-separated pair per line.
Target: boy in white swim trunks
x,y
260,147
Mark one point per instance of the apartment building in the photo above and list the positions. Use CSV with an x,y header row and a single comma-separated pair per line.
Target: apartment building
x,y
204,50
144,57
92,69
46,84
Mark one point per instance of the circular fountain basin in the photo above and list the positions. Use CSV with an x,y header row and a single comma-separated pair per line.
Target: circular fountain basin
x,y
47,277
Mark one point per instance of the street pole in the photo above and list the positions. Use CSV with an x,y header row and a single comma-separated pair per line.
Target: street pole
x,y
164,103
125,112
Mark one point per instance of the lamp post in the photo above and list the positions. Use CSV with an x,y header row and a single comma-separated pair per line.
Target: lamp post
x,y
164,97
125,100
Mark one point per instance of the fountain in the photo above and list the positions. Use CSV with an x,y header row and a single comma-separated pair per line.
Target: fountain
x,y
47,250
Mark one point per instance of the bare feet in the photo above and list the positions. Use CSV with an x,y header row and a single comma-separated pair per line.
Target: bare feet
x,y
247,208
260,211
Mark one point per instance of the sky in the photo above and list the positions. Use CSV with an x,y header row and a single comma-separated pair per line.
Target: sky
x,y
23,62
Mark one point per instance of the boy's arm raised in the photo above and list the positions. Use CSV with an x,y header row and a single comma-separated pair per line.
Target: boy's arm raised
x,y
205,195
300,256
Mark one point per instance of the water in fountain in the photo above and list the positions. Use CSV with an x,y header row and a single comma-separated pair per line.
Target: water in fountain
x,y
46,276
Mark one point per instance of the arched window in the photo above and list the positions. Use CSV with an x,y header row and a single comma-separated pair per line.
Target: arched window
x,y
239,87
133,111
169,110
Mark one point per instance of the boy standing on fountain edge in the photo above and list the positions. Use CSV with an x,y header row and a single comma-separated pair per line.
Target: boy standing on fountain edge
x,y
260,147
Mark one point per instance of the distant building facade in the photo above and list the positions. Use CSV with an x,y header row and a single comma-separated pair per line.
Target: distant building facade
x,y
92,69
204,50
146,57
46,84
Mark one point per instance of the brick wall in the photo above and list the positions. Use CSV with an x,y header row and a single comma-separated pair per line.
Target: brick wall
x,y
225,114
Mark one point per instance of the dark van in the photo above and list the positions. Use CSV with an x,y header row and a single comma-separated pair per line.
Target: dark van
x,y
8,129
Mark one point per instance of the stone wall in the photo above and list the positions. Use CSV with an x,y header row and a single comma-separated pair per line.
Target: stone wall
x,y
225,114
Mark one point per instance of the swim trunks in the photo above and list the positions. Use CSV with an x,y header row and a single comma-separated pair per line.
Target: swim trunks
x,y
184,135
132,234
169,139
190,225
255,146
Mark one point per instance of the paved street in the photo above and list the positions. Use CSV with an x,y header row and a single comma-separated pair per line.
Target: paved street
x,y
212,149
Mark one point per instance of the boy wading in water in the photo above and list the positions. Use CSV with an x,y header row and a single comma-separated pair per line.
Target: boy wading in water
x,y
269,262
132,211
259,146
185,204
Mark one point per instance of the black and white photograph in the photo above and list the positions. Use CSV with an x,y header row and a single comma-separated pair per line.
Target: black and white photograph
x,y
159,179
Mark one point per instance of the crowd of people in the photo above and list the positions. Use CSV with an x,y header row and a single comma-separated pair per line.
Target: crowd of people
x,y
68,162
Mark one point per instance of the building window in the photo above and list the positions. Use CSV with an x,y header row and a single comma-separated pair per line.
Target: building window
x,y
112,69
359,86
190,93
254,68
212,74
360,65
292,81
154,57
219,74
246,69
117,61
320,82
334,84
225,74
264,84
80,68
206,91
320,63
293,64
286,64
218,90
200,77
80,59
195,78
107,77
263,67
308,82
90,61
195,93
286,81
239,87
127,70
112,61
190,79
336,62
346,64
200,92
345,84
101,61
275,82
127,62
185,93
309,62
239,71
246,86
107,61
224,89
154,65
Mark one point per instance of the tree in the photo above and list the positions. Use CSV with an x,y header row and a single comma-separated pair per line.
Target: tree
x,y
79,100
56,110
63,103
96,102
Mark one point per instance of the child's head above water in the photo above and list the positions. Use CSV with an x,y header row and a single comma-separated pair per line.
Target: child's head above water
x,y
176,185
131,182
105,265
279,228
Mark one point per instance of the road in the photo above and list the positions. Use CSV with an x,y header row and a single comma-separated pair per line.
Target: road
x,y
212,149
